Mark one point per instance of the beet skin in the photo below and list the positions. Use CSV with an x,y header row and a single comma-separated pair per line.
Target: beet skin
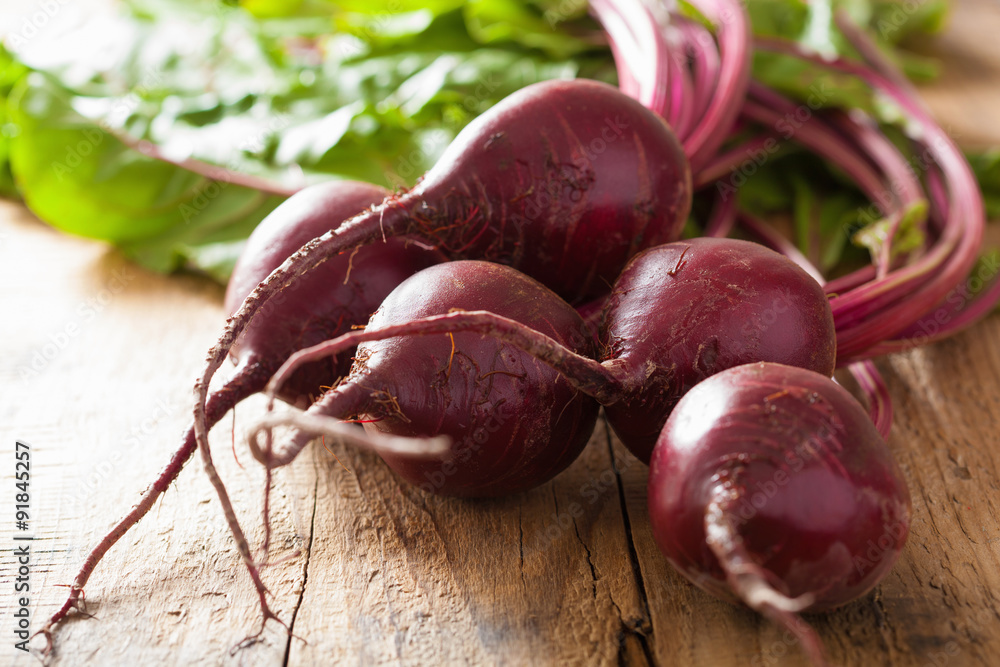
x,y
798,477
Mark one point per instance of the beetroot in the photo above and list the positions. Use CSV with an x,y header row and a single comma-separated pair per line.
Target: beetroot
x,y
684,311
769,484
509,432
563,179
340,294
679,313
512,421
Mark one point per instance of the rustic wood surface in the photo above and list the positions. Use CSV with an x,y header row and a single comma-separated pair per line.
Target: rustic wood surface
x,y
96,372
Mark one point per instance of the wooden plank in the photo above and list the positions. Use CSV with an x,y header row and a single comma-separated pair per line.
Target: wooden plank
x,y
96,378
96,372
536,578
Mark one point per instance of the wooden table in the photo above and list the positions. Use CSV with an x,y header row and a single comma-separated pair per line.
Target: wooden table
x,y
96,373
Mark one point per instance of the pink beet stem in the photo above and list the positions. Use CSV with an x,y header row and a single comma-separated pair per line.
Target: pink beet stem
x,y
704,63
733,35
587,375
876,393
210,171
908,293
723,216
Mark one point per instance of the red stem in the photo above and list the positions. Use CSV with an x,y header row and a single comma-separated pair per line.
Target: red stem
x,y
851,280
773,110
637,40
210,171
723,216
776,241
704,55
915,289
589,376
901,181
733,35
746,153
870,53
876,393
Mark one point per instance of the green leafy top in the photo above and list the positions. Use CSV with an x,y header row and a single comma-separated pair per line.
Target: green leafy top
x,y
294,92
305,90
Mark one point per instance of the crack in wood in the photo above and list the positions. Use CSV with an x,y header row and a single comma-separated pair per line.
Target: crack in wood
x,y
629,639
590,563
633,556
305,569
639,630
520,542
885,627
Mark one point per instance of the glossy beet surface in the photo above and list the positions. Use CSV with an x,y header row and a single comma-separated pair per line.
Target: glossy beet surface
x,y
563,180
806,481
513,422
683,311
321,304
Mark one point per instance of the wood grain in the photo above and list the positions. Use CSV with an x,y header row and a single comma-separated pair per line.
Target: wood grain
x,y
98,360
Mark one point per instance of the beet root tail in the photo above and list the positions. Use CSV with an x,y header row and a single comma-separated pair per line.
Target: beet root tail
x,y
314,423
243,384
750,581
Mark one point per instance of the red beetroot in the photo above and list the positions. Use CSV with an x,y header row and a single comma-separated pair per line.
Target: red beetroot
x,y
339,294
769,484
684,311
564,180
679,313
512,421
405,385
